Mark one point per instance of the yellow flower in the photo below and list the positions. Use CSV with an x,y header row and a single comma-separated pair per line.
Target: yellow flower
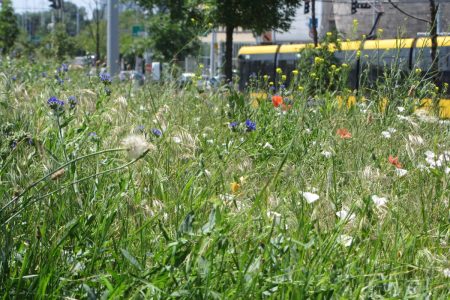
x,y
318,60
380,30
234,186
333,67
355,22
313,75
201,66
344,65
271,83
295,72
279,71
266,77
358,53
436,88
418,70
339,40
300,88
329,34
364,36
283,77
366,56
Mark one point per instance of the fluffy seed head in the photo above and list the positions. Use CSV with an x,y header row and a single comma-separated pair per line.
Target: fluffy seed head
x,y
136,146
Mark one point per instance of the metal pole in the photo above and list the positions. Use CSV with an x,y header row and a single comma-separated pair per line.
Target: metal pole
x,y
113,37
212,61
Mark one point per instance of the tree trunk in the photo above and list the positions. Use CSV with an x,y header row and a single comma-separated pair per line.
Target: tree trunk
x,y
314,23
229,53
434,45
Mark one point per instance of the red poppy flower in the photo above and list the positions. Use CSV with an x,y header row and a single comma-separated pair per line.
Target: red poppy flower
x,y
344,133
394,161
277,100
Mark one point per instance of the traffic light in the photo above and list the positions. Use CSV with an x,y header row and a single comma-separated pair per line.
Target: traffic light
x,y
306,11
354,5
55,4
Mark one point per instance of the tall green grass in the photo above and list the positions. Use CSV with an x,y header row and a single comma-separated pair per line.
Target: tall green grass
x,y
169,225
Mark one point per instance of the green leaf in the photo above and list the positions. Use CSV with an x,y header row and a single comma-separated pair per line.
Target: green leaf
x,y
131,259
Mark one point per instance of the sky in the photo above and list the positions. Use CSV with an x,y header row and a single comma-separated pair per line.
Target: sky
x,y
39,5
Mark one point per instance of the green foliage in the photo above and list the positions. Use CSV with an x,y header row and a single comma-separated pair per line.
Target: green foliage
x,y
61,44
174,27
9,29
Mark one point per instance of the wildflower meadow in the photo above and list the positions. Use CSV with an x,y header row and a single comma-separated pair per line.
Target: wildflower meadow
x,y
113,190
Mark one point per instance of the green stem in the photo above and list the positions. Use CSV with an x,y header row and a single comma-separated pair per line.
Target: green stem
x,y
72,183
51,173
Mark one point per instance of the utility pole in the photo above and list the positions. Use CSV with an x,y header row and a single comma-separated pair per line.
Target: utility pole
x,y
113,37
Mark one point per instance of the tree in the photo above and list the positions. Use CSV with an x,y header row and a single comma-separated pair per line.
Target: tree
x,y
8,27
432,22
257,16
174,27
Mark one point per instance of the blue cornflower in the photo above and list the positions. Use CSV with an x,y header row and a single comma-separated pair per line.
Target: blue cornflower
x,y
55,103
272,89
140,128
233,125
94,136
44,74
251,126
156,132
105,78
65,67
59,80
72,101
13,144
282,87
14,78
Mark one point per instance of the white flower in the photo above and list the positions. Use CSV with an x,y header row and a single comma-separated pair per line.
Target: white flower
x,y
430,154
345,240
210,142
392,130
327,154
401,172
379,201
176,140
308,131
415,139
268,146
344,215
447,170
207,173
401,109
136,146
386,134
446,272
310,197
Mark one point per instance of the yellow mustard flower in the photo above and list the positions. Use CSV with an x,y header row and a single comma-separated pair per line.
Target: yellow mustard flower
x,y
279,71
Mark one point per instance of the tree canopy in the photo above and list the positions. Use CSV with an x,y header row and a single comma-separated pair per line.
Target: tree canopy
x,y
9,30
